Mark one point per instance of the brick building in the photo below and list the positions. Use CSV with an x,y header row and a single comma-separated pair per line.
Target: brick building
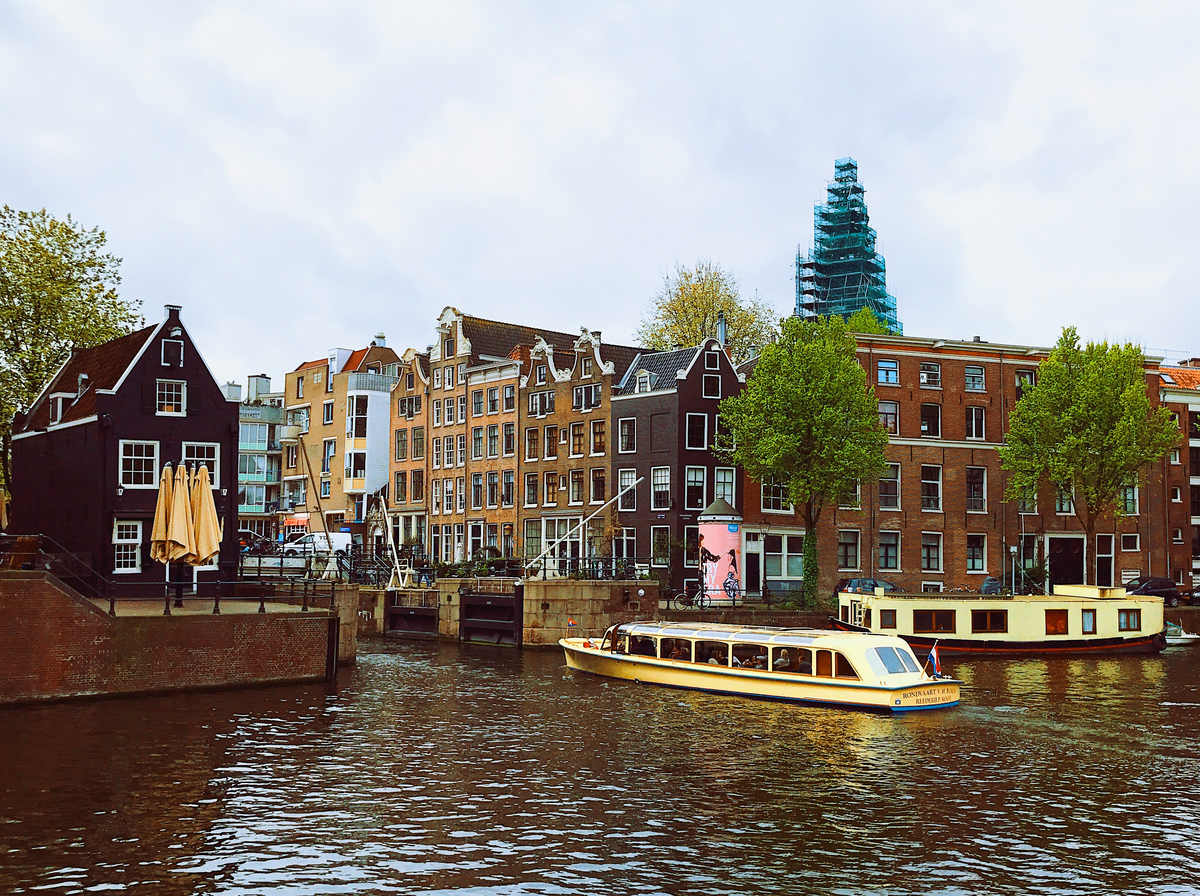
x,y
409,424
1180,389
938,517
664,422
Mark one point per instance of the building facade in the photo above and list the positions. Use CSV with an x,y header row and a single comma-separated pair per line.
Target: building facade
x,y
88,455
665,420
336,439
938,517
260,457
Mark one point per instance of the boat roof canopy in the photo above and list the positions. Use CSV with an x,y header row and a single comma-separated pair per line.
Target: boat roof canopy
x,y
724,632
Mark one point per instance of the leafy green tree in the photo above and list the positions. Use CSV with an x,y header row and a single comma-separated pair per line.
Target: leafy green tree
x,y
808,421
1088,425
864,321
684,312
57,291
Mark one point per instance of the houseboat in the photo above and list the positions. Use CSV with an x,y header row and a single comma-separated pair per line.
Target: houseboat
x,y
830,668
1075,620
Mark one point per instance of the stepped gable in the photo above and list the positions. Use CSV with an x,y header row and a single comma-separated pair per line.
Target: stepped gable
x,y
103,364
662,367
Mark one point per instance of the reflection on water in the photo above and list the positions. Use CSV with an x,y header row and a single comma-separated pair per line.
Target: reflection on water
x,y
431,768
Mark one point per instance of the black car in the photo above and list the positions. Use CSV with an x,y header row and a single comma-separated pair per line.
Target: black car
x,y
1158,586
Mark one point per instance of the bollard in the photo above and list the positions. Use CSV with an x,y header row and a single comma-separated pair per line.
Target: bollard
x,y
179,595
217,602
166,601
112,604
262,603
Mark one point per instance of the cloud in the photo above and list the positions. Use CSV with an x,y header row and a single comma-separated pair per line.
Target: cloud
x,y
300,176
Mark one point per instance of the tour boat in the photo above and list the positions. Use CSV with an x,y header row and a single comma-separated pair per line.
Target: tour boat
x,y
855,671
1075,620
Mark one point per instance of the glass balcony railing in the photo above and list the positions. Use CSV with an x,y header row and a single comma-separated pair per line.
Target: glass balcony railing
x,y
261,413
370,382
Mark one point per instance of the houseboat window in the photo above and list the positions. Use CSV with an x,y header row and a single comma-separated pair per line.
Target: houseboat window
x,y
713,652
1129,620
1056,622
676,649
989,620
825,663
844,669
797,660
933,621
1089,622
642,646
887,618
750,656
866,620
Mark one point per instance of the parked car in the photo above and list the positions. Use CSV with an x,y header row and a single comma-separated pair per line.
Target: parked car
x,y
1158,586
861,586
318,543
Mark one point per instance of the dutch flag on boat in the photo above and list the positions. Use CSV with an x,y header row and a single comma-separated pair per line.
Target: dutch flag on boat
x,y
935,659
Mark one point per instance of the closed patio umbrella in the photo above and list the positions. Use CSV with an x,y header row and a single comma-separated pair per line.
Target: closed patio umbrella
x,y
162,516
181,535
204,519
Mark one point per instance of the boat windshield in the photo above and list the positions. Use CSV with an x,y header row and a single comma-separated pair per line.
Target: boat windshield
x,y
895,661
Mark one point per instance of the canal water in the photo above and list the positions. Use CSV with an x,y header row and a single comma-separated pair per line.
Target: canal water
x,y
443,769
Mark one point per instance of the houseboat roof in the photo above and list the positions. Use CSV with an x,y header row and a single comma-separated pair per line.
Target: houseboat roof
x,y
717,631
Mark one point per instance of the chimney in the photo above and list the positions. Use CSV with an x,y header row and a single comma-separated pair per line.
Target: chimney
x,y
233,391
380,340
721,327
169,310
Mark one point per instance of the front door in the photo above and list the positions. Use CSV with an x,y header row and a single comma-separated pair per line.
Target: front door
x,y
1066,560
753,572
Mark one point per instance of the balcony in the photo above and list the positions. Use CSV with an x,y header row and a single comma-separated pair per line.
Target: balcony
x,y
260,413
370,382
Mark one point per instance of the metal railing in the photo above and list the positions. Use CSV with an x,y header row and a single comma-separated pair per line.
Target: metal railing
x,y
597,568
370,382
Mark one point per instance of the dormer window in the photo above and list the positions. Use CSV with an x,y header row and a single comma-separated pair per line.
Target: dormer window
x,y
643,382
56,409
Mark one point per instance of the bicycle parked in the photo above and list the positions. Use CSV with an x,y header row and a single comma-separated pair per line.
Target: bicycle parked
x,y
686,600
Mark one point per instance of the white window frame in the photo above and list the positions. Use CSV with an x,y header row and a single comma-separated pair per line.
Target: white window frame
x,y
980,411
687,433
940,491
327,412
931,379
704,384
857,549
732,499
967,553
625,478
687,473
162,351
966,471
654,561
632,421
941,554
967,387
214,471
783,508
899,553
654,505
898,488
1137,541
117,541
1176,495
879,369
121,464
158,402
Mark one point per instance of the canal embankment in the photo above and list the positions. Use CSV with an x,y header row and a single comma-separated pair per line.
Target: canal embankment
x,y
58,644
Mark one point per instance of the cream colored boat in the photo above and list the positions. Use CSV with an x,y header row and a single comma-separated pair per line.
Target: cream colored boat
x,y
855,671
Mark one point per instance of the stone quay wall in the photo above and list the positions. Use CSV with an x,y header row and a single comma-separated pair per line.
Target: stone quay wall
x,y
55,644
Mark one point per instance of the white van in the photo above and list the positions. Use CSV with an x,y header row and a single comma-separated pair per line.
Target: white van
x,y
318,543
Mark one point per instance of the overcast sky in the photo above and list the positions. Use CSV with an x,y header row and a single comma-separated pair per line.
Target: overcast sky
x,y
302,176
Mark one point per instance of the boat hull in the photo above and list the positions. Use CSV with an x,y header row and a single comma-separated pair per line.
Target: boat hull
x,y
760,684
980,647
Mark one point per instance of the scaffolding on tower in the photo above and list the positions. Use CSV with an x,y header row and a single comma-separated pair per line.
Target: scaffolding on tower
x,y
843,273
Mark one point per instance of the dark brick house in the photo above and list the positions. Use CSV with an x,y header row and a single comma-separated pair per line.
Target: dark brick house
x,y
88,454
664,421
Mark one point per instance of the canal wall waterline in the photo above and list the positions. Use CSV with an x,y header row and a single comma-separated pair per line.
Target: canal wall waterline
x,y
58,645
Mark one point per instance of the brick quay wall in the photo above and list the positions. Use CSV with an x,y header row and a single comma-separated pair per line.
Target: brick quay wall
x,y
56,644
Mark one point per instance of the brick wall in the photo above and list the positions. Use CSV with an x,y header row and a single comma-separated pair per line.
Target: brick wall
x,y
55,644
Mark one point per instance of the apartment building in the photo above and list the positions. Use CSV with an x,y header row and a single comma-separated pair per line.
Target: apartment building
x,y
566,391
665,418
492,514
1180,390
938,517
336,440
410,423
260,457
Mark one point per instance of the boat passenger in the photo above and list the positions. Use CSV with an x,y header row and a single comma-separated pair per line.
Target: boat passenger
x,y
782,661
718,658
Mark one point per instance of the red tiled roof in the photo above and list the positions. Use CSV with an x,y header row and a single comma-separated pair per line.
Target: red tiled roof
x,y
354,360
308,365
1184,377
104,364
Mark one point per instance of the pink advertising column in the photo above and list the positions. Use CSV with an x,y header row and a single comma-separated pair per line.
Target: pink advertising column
x,y
721,553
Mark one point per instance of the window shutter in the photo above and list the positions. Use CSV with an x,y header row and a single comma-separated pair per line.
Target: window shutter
x,y
149,397
193,402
